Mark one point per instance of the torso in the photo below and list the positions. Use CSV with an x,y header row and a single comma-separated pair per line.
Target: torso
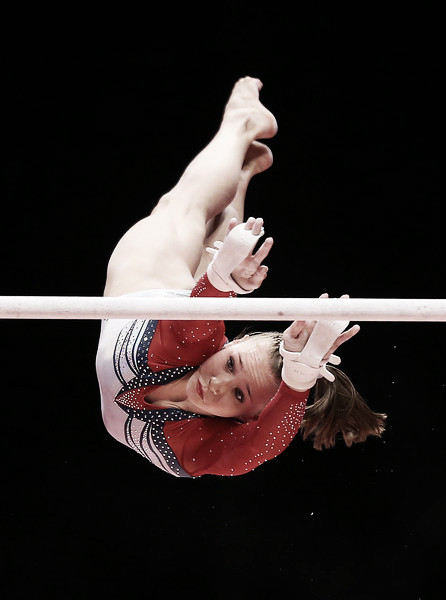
x,y
133,362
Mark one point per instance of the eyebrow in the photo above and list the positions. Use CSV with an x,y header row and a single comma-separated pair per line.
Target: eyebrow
x,y
241,365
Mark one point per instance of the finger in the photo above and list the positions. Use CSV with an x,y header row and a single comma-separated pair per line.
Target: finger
x,y
296,328
347,335
260,275
256,280
232,223
298,333
263,271
263,251
257,226
249,223
344,337
324,295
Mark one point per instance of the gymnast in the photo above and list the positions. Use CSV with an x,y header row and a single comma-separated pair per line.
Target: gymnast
x,y
178,392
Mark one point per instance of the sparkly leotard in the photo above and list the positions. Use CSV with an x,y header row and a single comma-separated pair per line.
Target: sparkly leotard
x,y
134,356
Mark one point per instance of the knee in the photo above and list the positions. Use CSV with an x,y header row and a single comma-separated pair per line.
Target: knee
x,y
163,203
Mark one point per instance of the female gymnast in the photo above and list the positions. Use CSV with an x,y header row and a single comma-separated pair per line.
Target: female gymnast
x,y
178,392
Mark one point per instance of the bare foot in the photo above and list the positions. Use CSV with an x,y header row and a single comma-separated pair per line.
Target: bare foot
x,y
258,158
244,103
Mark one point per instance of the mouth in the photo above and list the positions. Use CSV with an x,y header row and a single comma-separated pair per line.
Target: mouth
x,y
200,390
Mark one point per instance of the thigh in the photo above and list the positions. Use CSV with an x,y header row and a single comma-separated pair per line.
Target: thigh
x,y
162,251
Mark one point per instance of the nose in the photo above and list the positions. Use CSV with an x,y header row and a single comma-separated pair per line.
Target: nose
x,y
217,385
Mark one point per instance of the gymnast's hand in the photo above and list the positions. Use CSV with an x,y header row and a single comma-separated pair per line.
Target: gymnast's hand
x,y
234,266
298,333
250,273
306,348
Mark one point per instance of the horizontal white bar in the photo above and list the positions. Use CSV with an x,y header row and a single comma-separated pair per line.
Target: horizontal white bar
x,y
228,309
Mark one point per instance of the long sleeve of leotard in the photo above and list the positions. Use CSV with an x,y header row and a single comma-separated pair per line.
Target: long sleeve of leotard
x,y
220,446
204,287
192,342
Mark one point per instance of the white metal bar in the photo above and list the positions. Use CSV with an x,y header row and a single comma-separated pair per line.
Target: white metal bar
x,y
229,309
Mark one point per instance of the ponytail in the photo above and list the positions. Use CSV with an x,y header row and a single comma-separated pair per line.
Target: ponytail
x,y
338,408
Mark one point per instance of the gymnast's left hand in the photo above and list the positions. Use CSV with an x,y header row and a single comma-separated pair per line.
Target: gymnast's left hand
x,y
299,332
250,273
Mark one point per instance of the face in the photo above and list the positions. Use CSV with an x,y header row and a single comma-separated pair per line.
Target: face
x,y
235,382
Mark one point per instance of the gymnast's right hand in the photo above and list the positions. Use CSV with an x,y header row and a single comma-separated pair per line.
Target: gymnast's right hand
x,y
234,266
308,346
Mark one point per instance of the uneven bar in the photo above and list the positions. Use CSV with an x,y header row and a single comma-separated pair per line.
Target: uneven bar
x,y
229,309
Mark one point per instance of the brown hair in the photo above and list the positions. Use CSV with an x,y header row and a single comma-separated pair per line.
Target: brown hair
x,y
337,407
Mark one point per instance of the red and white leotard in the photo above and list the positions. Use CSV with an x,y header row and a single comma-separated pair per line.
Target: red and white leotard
x,y
135,357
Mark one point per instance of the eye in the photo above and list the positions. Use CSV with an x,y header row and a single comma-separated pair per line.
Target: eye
x,y
237,392
239,395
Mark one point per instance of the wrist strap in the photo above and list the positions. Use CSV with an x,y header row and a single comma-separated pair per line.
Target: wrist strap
x,y
300,376
224,285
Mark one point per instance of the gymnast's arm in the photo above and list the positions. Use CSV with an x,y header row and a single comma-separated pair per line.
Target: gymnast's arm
x,y
235,269
196,340
227,447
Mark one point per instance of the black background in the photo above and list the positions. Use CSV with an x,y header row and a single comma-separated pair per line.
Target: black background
x,y
103,113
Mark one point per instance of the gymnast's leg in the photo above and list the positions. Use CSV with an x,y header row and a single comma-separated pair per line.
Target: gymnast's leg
x,y
258,158
164,250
